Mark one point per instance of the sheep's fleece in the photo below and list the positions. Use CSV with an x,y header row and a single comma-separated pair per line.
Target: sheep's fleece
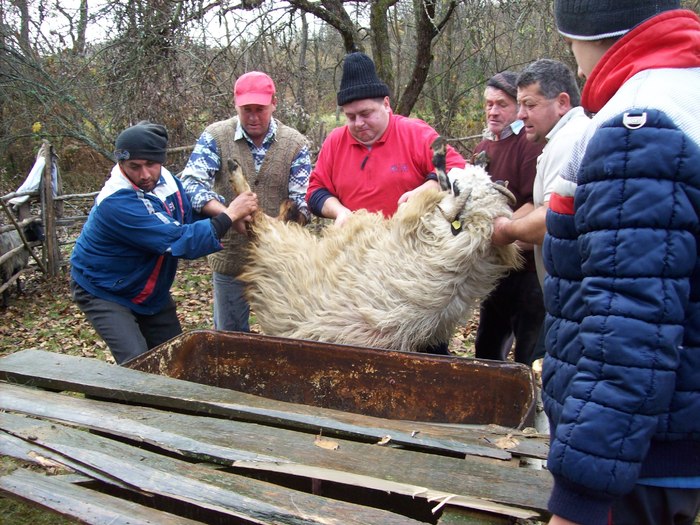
x,y
401,283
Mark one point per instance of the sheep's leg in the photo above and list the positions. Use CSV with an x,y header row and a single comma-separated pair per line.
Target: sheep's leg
x,y
288,211
240,185
236,178
439,147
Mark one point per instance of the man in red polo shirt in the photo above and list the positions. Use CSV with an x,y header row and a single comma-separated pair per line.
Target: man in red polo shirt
x,y
378,159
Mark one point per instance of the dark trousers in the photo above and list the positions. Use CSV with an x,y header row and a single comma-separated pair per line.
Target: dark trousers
x,y
647,505
513,310
127,334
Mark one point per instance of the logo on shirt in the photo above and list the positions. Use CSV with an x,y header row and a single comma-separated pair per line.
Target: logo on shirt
x,y
399,168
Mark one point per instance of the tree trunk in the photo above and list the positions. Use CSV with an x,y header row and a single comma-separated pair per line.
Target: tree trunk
x,y
381,44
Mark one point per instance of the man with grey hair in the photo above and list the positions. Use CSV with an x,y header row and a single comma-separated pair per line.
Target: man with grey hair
x,y
514,310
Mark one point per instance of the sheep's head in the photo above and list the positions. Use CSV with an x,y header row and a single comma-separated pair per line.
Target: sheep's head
x,y
459,219
461,183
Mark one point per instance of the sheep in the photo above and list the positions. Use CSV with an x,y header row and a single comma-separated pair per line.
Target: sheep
x,y
401,283
18,260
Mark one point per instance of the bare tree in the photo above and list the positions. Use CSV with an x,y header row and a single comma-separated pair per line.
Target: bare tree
x,y
175,61
426,19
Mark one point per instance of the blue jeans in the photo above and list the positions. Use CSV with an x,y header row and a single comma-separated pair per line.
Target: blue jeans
x,y
127,334
231,310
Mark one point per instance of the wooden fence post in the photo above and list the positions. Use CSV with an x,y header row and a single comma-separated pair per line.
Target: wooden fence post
x,y
53,255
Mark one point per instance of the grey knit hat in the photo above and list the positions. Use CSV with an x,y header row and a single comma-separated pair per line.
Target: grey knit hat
x,y
598,19
144,141
360,80
505,81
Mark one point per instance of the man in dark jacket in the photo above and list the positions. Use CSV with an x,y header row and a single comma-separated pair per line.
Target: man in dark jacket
x,y
514,309
125,259
622,371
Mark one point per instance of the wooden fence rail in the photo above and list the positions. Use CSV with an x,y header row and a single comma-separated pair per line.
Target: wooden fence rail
x,y
44,205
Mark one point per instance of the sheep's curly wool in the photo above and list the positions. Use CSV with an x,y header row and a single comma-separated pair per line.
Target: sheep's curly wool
x,y
401,283
9,241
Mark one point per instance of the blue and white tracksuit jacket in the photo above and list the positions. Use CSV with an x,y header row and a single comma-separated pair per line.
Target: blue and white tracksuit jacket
x,y
128,249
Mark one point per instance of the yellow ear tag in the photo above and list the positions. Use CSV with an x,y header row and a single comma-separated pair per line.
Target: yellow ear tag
x,y
456,227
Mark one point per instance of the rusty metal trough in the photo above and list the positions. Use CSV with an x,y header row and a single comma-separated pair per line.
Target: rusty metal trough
x,y
368,381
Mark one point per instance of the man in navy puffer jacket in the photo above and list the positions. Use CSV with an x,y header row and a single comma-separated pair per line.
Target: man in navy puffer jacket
x,y
621,380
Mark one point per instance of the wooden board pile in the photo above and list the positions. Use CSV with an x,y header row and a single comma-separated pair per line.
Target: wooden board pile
x,y
122,446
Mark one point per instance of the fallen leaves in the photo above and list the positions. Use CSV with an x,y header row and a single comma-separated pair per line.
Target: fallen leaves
x,y
384,441
44,316
506,442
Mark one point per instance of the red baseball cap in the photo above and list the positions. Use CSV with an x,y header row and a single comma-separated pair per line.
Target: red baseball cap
x,y
254,88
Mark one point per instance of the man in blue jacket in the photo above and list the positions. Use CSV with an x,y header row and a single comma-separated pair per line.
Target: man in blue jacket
x,y
621,379
124,261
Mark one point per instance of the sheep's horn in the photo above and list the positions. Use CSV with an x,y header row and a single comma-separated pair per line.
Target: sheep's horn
x,y
439,148
502,186
460,204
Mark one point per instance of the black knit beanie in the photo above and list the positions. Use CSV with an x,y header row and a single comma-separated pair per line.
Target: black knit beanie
x,y
144,141
505,81
360,80
598,19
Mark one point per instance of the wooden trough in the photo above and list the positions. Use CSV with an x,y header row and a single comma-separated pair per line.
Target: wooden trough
x,y
369,381
119,444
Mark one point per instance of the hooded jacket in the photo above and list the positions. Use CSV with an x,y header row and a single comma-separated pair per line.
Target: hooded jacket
x,y
127,251
621,380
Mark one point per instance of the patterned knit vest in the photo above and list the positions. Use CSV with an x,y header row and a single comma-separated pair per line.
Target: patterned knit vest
x,y
271,183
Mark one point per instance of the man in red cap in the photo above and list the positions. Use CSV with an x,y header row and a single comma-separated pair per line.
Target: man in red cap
x,y
275,161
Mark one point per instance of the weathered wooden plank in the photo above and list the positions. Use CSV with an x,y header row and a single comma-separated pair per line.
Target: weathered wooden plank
x,y
527,444
28,451
462,516
222,492
83,504
123,421
96,378
480,484
14,447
